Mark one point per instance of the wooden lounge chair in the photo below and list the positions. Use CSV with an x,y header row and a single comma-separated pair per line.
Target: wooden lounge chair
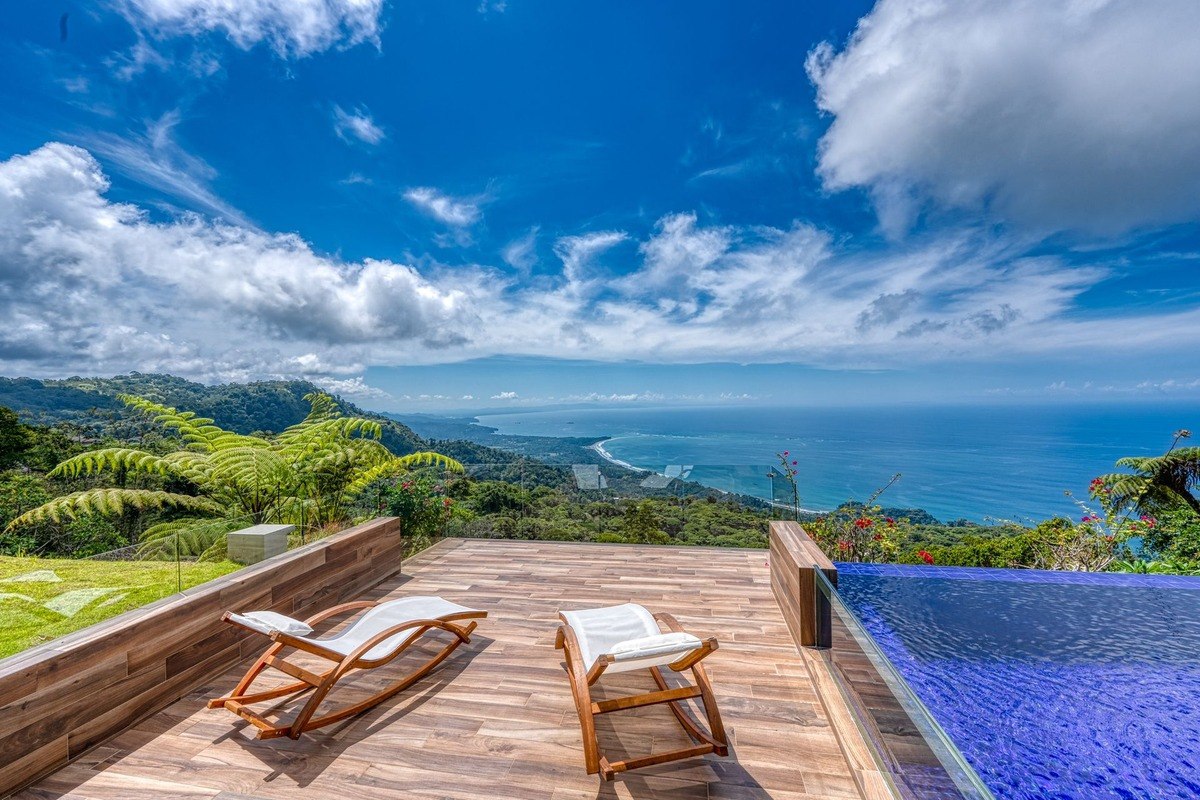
x,y
628,637
385,631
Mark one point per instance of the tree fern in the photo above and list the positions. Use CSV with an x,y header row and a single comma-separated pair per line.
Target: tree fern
x,y
304,476
115,459
112,503
1157,482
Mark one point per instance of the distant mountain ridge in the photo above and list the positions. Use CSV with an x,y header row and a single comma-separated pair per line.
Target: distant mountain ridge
x,y
241,407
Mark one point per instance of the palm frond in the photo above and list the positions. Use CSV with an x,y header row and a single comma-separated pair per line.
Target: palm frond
x,y
111,503
428,458
395,466
114,459
188,538
196,430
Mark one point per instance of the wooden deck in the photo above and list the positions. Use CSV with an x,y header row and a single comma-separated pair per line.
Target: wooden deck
x,y
496,721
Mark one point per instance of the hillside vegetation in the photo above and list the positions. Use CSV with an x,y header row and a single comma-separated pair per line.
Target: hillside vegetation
x,y
245,408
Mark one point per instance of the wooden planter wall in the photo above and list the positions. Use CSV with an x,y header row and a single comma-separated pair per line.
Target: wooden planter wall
x,y
61,698
795,558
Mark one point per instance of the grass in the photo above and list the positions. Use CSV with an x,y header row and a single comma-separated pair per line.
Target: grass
x,y
44,598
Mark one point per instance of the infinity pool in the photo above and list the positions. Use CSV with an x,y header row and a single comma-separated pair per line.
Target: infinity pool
x,y
1052,684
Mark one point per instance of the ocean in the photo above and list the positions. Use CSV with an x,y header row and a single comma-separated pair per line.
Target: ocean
x,y
976,463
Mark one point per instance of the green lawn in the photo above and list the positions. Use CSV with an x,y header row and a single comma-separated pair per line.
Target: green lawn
x,y
43,598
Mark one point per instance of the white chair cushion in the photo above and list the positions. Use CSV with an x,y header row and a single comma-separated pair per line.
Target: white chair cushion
x,y
267,622
652,646
628,633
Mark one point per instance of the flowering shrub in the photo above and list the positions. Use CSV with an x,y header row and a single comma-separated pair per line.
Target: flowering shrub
x,y
787,471
858,532
421,503
1094,542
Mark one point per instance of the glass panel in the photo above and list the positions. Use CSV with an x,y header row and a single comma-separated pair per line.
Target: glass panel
x,y
42,599
936,770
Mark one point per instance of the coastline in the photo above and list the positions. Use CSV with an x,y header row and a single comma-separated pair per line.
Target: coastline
x,y
598,448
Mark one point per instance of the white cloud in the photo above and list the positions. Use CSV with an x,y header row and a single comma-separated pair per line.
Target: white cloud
x,y
357,124
458,213
505,396
141,55
578,252
94,286
521,253
352,387
293,28
157,160
1056,114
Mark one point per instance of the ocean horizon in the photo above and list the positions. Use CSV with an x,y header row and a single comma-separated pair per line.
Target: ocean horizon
x,y
983,464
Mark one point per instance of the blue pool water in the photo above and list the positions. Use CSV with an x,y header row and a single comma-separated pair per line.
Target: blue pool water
x,y
1053,685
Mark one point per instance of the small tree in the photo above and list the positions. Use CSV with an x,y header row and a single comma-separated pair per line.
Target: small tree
x,y
642,525
14,438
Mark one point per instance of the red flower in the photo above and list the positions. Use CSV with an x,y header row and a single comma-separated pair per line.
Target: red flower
x,y
1150,521
878,537
889,521
862,522
447,502
926,556
843,545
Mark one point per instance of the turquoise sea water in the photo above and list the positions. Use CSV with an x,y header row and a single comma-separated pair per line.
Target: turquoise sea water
x,y
1002,462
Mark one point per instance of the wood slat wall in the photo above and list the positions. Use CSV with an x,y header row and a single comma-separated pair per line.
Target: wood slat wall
x,y
59,699
793,555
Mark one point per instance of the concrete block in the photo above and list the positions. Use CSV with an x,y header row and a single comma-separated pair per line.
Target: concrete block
x,y
251,545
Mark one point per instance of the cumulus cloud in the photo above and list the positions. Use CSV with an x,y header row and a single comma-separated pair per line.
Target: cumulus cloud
x,y
87,279
505,396
357,124
354,387
455,212
292,28
1054,114
90,285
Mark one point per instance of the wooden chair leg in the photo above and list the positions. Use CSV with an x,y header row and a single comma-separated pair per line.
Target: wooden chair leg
x,y
715,726
322,684
715,736
581,693
305,721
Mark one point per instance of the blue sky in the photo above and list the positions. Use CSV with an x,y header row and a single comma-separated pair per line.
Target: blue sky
x,y
446,205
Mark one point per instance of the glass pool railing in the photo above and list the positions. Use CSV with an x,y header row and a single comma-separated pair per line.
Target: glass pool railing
x,y
909,745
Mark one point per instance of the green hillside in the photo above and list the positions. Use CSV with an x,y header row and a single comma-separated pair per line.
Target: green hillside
x,y
268,406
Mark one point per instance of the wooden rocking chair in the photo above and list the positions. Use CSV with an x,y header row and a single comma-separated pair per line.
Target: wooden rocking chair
x,y
628,637
381,634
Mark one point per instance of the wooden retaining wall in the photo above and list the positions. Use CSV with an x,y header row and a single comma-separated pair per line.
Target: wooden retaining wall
x,y
807,612
61,698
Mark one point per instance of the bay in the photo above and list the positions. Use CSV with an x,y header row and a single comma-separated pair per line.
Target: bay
x,y
957,462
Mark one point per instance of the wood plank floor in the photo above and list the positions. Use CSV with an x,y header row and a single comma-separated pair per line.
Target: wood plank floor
x,y
496,721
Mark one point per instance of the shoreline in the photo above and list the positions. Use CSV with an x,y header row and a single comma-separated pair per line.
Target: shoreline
x,y
598,448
